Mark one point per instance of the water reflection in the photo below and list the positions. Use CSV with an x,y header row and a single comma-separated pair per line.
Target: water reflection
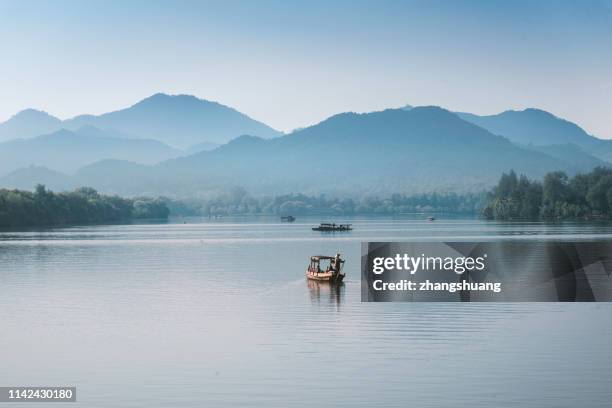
x,y
320,291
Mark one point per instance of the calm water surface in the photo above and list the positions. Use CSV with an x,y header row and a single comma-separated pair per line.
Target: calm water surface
x,y
218,314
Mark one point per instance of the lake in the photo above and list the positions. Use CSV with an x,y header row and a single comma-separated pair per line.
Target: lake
x,y
217,313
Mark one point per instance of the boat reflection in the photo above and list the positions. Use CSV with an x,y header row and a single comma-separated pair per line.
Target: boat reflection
x,y
326,292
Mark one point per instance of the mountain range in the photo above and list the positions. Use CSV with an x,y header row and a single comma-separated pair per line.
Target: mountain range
x,y
408,150
180,121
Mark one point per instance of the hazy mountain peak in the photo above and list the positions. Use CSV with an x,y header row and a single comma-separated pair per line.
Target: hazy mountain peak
x,y
435,114
28,123
88,129
59,133
245,143
432,109
177,120
531,125
157,97
34,114
351,122
245,139
529,112
537,111
162,98
399,112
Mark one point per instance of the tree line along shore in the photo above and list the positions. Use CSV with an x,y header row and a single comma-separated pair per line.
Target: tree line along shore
x,y
41,207
557,197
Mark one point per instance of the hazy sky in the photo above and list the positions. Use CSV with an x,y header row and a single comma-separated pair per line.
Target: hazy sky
x,y
291,64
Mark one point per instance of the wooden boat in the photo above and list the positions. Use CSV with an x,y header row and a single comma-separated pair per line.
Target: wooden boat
x,y
328,227
288,218
331,270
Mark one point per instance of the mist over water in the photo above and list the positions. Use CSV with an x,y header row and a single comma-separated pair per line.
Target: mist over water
x,y
218,313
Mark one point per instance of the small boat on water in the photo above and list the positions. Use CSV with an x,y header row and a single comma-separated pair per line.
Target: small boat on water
x,y
287,218
431,218
332,227
330,271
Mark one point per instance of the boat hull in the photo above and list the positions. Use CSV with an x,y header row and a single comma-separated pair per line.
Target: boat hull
x,y
325,276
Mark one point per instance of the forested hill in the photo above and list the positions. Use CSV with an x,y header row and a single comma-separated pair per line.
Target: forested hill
x,y
82,206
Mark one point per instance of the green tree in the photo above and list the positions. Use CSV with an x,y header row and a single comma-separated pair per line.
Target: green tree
x,y
598,196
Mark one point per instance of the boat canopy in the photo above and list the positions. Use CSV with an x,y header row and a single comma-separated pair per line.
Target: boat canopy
x,y
321,258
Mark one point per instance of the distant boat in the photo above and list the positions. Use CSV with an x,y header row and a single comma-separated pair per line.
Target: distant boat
x,y
332,227
288,218
331,272
431,218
